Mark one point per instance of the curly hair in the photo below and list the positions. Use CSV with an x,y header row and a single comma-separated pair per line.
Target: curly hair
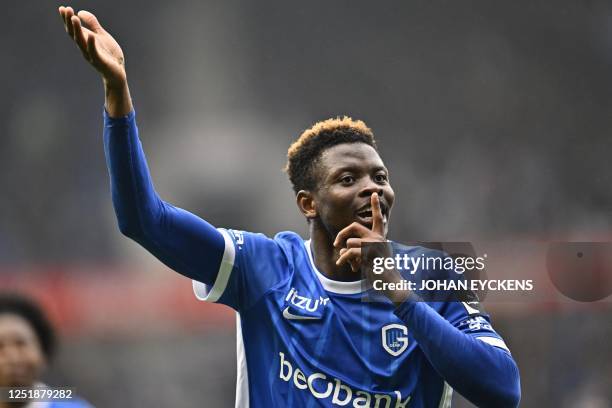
x,y
15,304
304,154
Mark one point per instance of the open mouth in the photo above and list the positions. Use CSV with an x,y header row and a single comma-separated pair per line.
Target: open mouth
x,y
365,216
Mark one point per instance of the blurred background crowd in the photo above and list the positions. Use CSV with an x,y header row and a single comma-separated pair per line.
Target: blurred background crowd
x,y
494,119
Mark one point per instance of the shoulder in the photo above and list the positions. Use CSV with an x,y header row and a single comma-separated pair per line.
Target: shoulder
x,y
281,238
289,238
261,248
290,243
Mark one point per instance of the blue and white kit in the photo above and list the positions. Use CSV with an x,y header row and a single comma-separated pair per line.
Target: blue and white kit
x,y
305,340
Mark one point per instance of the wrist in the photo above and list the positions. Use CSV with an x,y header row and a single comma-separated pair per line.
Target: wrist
x,y
394,291
397,297
118,101
115,85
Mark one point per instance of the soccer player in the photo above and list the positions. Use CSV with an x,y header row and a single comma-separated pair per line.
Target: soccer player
x,y
27,343
305,337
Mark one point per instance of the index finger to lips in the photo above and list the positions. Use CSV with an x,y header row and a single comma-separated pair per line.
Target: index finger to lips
x,y
377,217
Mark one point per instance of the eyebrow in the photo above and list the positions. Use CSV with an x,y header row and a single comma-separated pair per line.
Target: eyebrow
x,y
354,167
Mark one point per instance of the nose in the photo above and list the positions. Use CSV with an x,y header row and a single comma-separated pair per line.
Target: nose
x,y
371,187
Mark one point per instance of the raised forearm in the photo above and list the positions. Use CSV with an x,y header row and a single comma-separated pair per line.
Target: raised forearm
x,y
181,240
484,374
178,238
134,198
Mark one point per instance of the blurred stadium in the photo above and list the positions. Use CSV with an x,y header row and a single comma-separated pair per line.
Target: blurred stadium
x,y
493,118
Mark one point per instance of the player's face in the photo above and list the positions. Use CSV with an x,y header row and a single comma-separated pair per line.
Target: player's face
x,y
349,174
21,357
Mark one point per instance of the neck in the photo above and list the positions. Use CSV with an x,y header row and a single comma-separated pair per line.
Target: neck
x,y
325,255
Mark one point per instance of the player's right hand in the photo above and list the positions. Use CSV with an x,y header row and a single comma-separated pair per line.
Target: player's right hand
x,y
99,48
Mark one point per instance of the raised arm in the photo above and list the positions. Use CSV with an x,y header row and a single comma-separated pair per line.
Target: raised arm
x,y
184,242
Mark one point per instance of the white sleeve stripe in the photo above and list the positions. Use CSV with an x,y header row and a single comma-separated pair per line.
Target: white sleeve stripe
x,y
494,341
447,396
204,292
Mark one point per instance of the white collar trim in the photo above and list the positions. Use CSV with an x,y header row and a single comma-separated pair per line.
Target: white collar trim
x,y
344,288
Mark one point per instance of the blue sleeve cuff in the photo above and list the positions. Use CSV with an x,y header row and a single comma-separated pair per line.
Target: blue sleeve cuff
x,y
404,309
121,121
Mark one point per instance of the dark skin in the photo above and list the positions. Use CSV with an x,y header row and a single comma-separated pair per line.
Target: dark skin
x,y
21,357
351,205
351,175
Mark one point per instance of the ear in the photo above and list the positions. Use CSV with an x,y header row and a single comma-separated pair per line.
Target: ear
x,y
306,203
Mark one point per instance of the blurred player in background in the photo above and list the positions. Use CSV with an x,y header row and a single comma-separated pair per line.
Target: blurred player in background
x,y
305,337
27,344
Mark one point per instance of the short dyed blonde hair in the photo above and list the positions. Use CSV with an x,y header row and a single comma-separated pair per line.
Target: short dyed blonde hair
x,y
304,153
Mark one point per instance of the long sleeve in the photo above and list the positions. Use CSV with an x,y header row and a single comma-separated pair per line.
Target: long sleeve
x,y
181,240
484,374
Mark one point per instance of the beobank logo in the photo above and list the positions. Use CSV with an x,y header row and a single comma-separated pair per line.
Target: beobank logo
x,y
323,387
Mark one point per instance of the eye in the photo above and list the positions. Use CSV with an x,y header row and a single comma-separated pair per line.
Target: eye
x,y
381,178
347,179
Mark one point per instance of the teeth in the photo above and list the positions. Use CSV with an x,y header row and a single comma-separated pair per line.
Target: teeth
x,y
367,213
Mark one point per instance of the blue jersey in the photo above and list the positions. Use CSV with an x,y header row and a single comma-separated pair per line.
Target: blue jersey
x,y
305,340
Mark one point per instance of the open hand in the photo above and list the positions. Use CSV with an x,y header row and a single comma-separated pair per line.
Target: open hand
x,y
98,47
